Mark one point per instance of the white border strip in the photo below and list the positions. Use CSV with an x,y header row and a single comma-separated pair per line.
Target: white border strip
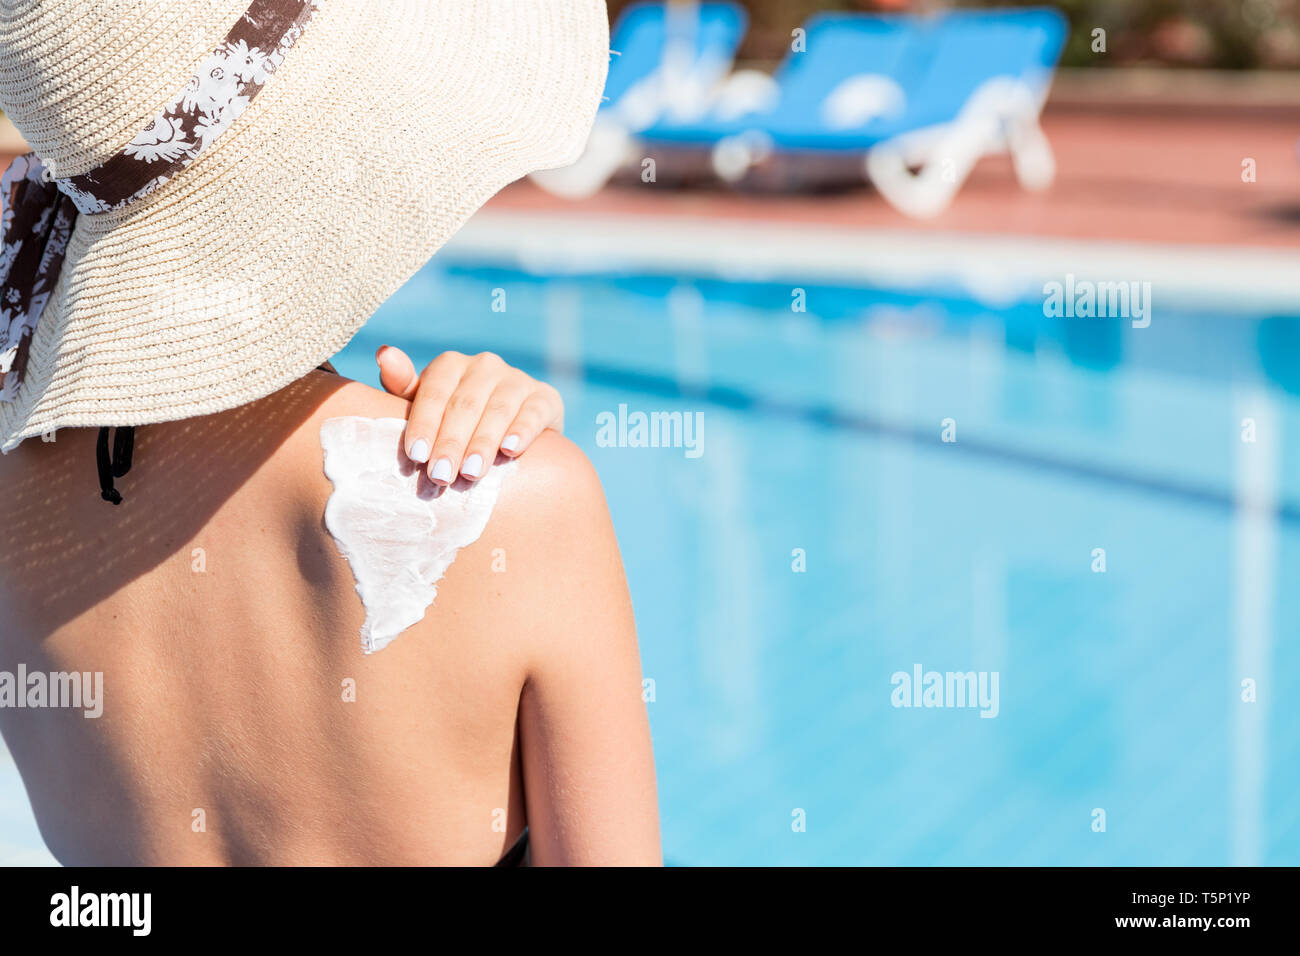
x,y
996,270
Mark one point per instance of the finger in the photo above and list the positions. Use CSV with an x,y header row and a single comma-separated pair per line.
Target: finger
x,y
396,371
440,380
460,417
503,404
542,410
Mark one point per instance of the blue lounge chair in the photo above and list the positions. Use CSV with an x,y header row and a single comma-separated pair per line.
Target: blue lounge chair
x,y
669,60
989,75
899,93
876,55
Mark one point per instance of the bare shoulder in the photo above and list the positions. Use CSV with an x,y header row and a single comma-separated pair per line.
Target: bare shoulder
x,y
322,396
551,505
565,584
555,480
348,397
553,474
554,505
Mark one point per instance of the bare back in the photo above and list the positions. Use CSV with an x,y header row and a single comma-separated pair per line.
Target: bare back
x,y
242,723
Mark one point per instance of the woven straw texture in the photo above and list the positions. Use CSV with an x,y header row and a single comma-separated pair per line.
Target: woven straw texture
x,y
389,124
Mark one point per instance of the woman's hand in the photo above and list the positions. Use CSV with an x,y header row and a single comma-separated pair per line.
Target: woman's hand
x,y
464,408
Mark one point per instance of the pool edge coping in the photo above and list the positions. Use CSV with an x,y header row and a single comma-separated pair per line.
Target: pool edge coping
x,y
1194,277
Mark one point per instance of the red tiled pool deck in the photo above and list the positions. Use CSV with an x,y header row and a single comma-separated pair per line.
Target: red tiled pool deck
x,y
1169,177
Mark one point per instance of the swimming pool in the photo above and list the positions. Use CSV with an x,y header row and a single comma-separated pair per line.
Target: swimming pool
x,y
823,431
828,538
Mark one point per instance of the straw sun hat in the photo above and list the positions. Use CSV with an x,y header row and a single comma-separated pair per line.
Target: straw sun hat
x,y
290,187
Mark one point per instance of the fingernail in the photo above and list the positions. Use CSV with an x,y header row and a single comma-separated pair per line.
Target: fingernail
x,y
473,466
511,443
419,451
442,470
380,351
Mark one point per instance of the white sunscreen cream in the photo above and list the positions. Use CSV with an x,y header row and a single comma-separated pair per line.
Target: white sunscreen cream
x,y
397,529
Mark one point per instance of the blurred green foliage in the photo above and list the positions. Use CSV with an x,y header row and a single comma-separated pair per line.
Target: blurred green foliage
x,y
1223,34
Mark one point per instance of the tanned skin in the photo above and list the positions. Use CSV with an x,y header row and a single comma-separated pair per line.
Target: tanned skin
x,y
226,625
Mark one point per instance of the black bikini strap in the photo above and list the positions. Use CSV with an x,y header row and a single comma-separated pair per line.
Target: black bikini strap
x,y
118,465
518,854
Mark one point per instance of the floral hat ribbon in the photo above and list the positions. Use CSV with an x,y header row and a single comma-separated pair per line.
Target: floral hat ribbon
x,y
39,211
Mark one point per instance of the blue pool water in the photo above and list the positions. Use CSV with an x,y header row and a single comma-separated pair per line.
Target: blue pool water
x,y
1118,691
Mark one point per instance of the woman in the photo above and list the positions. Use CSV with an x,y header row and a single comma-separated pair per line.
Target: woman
x,y
216,557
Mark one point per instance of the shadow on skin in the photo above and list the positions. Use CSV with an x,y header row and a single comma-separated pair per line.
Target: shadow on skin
x,y
63,548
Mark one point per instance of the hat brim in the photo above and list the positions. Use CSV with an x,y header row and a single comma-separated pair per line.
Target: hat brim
x,y
387,127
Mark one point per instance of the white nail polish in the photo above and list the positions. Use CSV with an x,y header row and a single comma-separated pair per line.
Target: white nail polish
x,y
511,443
473,466
442,470
419,451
